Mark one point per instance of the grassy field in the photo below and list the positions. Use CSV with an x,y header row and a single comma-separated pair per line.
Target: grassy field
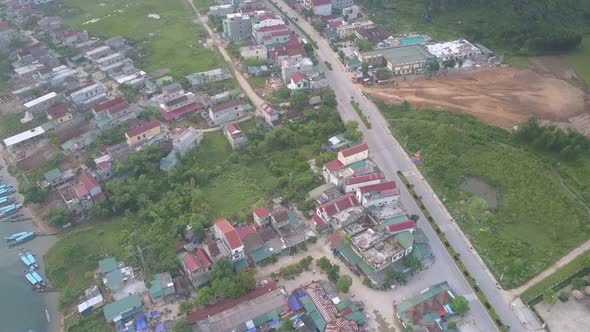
x,y
580,60
10,125
258,83
168,42
72,261
537,220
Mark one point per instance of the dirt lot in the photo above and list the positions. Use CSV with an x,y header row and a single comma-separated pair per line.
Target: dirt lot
x,y
502,97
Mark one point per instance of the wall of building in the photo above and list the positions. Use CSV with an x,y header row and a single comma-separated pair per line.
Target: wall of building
x,y
143,136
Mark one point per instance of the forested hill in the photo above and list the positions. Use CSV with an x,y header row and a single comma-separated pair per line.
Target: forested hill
x,y
523,26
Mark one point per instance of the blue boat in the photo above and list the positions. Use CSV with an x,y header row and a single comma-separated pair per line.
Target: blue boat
x,y
9,209
14,236
4,186
23,238
31,279
28,259
6,200
38,278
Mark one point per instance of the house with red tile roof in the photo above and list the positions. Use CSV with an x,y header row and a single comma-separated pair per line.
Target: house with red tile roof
x,y
352,183
228,234
353,154
408,225
224,113
196,267
112,108
319,223
328,210
270,114
299,82
59,114
379,194
261,216
143,132
235,136
259,34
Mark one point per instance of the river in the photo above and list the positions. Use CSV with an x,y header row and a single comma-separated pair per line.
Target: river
x,y
21,308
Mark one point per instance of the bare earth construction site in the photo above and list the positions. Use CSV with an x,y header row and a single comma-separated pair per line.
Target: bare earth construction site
x,y
502,97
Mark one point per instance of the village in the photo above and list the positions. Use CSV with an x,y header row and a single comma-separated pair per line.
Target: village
x,y
88,107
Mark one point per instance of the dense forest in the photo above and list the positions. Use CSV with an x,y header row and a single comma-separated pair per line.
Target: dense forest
x,y
520,26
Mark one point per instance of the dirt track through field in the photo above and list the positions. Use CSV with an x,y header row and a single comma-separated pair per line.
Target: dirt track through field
x,y
502,97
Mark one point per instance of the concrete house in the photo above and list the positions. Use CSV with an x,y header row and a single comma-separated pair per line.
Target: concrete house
x,y
162,287
98,52
299,82
38,107
226,112
380,249
237,26
88,94
353,154
260,33
270,114
142,133
83,195
59,114
179,107
319,7
401,60
111,108
50,22
215,75
352,183
261,216
328,210
341,4
425,311
122,309
227,233
196,267
185,139
7,35
351,12
378,194
235,136
348,29
257,52
220,11
290,66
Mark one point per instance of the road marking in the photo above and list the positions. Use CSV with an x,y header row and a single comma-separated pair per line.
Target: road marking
x,y
471,297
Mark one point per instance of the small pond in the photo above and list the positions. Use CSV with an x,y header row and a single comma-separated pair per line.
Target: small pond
x,y
481,189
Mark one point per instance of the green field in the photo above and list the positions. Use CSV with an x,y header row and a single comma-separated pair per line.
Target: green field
x,y
168,42
580,60
72,261
10,125
537,220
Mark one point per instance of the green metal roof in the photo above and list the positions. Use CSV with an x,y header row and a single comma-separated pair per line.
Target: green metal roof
x,y
402,54
317,192
357,317
318,320
356,165
156,289
260,254
52,175
395,220
353,258
343,304
241,264
407,305
107,265
406,239
115,279
307,304
125,307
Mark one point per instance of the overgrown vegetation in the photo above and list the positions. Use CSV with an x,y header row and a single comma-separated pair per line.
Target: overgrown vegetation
x,y
567,145
520,238
523,27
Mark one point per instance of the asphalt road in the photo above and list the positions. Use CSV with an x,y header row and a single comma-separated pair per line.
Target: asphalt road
x,y
387,152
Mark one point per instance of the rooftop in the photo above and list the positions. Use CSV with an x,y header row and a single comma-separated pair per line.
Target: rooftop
x,y
354,150
127,304
41,99
425,308
229,232
402,54
25,135
339,204
459,47
365,178
143,128
225,106
107,265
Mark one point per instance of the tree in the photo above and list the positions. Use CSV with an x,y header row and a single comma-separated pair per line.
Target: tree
x,y
413,262
59,217
452,325
287,325
90,163
414,217
204,296
365,69
343,283
364,44
33,194
459,305
181,326
246,280
283,93
329,99
298,101
433,67
149,114
579,283
383,74
185,307
352,132
346,239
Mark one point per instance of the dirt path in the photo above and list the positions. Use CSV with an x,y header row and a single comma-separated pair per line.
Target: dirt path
x,y
244,84
552,269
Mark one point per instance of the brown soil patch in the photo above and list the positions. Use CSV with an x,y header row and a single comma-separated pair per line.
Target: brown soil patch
x,y
502,97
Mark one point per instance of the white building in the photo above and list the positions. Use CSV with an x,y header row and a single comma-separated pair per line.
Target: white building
x,y
299,82
347,29
98,52
458,50
88,93
220,11
353,154
37,107
352,12
378,194
319,7
290,66
341,4
258,52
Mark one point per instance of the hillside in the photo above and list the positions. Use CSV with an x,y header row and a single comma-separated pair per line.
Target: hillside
x,y
518,26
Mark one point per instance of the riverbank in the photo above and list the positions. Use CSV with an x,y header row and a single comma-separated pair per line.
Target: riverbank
x,y
23,308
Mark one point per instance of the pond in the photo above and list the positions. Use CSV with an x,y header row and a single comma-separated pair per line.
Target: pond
x,y
481,189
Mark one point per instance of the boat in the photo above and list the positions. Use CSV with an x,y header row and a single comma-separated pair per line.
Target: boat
x,y
47,316
23,238
9,209
6,200
38,278
31,279
14,236
28,259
